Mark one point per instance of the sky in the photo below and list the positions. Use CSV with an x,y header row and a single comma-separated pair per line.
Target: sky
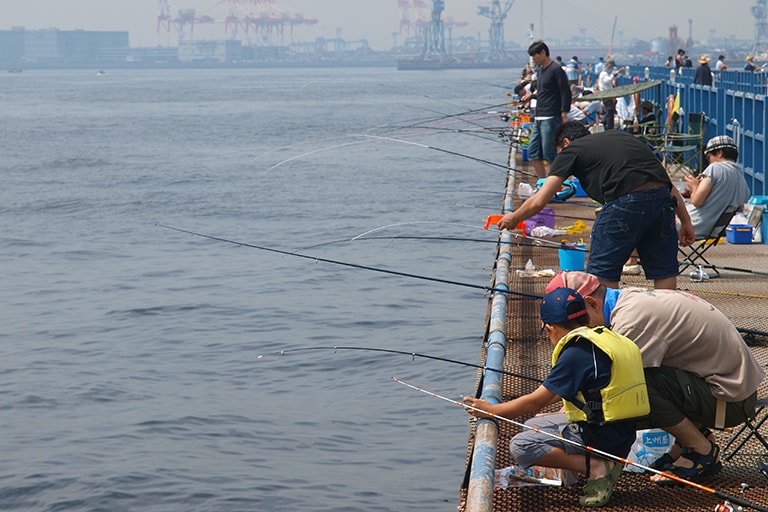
x,y
377,20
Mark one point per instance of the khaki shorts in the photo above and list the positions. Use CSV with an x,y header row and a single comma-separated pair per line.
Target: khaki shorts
x,y
676,394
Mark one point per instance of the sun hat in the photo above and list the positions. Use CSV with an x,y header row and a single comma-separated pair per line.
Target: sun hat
x,y
561,305
703,59
584,283
720,142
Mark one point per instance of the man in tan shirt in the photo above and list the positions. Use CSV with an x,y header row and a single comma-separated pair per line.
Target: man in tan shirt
x,y
699,371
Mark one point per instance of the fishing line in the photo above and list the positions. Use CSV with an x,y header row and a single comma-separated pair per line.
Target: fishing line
x,y
314,151
606,455
351,265
413,355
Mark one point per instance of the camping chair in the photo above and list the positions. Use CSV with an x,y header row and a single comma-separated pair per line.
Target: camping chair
x,y
752,428
684,152
694,255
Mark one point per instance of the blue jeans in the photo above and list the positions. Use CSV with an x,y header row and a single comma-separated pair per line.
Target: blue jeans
x,y
542,142
642,220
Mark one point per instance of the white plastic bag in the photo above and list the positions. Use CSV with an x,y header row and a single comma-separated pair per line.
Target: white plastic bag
x,y
649,445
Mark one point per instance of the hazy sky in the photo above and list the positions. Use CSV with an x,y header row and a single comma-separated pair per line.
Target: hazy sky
x,y
377,20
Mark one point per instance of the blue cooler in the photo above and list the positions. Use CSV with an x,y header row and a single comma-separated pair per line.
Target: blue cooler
x,y
738,234
762,201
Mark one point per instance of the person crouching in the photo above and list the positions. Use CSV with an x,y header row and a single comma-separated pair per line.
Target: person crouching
x,y
598,375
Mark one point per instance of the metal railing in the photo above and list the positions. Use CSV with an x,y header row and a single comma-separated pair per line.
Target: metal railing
x,y
734,105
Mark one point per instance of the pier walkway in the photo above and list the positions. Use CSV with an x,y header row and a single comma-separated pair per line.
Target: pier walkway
x,y
742,296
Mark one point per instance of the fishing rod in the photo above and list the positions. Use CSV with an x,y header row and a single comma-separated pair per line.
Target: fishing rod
x,y
364,235
535,242
351,265
448,151
376,269
606,455
414,355
468,112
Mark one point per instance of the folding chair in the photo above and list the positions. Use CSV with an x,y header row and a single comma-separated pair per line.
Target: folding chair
x,y
684,152
752,428
694,255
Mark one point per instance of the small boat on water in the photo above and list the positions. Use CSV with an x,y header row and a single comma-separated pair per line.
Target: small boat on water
x,y
101,72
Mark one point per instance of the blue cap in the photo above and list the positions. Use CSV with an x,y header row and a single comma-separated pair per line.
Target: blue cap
x,y
561,305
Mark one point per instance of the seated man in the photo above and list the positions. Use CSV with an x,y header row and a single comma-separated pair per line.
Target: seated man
x,y
698,370
599,376
722,184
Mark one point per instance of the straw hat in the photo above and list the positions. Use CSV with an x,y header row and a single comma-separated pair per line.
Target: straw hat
x,y
750,58
703,59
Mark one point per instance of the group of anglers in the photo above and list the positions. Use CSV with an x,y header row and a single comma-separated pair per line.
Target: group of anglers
x,y
629,358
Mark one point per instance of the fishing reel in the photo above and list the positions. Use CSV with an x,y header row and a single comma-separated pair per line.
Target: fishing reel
x,y
728,507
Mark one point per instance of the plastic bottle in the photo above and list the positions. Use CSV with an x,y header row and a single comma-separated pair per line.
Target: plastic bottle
x,y
541,231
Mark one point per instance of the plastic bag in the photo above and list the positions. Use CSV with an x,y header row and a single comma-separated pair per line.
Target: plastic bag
x,y
649,445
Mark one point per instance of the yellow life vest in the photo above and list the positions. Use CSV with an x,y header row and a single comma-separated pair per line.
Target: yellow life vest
x,y
625,396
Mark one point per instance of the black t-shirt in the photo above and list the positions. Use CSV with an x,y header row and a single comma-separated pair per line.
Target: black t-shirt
x,y
609,164
553,94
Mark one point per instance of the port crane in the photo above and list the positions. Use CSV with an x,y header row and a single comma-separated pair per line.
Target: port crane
x,y
264,18
434,40
760,13
497,14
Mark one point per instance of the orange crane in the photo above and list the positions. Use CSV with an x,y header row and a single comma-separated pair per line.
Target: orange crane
x,y
264,18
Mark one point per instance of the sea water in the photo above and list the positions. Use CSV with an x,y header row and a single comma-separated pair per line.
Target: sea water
x,y
132,376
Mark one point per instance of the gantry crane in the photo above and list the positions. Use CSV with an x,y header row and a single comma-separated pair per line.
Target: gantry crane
x,y
498,14
434,40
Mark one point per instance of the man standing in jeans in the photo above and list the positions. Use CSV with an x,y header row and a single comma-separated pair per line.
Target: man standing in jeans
x,y
619,171
553,101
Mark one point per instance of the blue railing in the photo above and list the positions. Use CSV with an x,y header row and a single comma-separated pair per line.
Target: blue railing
x,y
734,105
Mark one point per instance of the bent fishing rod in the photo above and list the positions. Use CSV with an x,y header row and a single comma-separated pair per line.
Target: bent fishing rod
x,y
413,355
351,265
590,449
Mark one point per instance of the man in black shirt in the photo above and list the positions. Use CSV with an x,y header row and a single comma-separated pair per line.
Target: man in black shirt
x,y
553,101
619,171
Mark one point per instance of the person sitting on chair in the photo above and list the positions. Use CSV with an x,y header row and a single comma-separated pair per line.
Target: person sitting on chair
x,y
721,185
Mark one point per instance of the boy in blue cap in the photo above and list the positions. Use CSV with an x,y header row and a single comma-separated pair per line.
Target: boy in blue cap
x,y
598,375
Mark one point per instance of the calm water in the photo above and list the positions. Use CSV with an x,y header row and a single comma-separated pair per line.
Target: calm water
x,y
130,375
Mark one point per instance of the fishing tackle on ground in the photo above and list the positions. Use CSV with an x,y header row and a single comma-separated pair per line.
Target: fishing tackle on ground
x,y
413,355
606,455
